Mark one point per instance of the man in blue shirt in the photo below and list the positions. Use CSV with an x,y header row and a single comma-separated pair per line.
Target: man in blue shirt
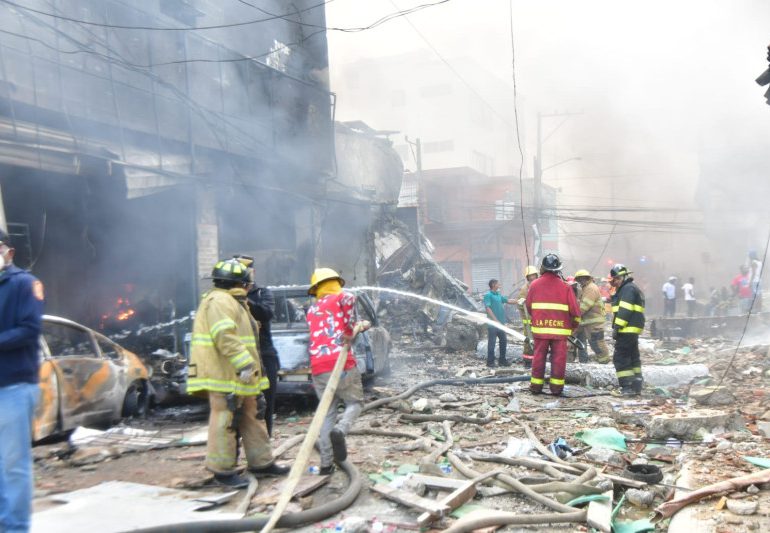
x,y
21,310
493,304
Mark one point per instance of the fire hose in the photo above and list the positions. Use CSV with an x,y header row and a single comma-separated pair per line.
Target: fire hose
x,y
287,520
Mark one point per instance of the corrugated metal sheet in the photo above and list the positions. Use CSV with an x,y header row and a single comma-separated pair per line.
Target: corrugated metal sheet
x,y
482,271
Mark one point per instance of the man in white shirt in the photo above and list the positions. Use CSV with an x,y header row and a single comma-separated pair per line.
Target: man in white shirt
x,y
669,297
689,296
755,273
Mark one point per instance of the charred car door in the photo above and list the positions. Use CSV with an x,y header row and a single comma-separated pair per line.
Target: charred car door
x,y
87,381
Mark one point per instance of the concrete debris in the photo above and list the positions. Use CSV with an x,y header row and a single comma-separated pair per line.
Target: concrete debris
x,y
752,489
425,405
687,425
764,429
354,524
603,376
742,507
461,336
703,395
605,456
447,397
513,352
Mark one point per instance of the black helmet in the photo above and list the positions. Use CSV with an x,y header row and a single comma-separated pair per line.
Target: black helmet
x,y
551,263
619,270
231,270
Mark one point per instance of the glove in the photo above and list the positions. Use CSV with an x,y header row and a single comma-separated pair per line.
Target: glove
x,y
521,301
246,375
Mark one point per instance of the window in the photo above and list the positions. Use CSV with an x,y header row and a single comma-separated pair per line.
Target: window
x,y
438,146
66,341
504,210
109,349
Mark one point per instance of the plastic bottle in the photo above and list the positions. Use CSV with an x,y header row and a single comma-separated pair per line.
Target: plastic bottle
x,y
446,468
314,470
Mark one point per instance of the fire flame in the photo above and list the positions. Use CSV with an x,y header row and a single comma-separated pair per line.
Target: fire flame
x,y
121,312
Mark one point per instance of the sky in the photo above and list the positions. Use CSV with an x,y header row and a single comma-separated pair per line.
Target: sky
x,y
663,93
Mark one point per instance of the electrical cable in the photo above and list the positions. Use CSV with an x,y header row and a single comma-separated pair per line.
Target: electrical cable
x,y
518,136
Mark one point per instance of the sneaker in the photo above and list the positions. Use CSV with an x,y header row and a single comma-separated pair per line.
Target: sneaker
x,y
327,470
504,362
274,470
339,449
490,364
233,481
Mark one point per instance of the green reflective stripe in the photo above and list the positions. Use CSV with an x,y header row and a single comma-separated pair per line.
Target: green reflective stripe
x,y
536,381
526,321
552,331
630,329
552,306
220,385
615,308
241,360
556,381
594,320
632,307
624,373
263,383
202,339
620,322
578,319
225,323
637,370
586,304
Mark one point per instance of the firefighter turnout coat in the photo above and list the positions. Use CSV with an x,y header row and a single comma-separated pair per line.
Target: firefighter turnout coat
x,y
628,308
553,307
224,342
591,308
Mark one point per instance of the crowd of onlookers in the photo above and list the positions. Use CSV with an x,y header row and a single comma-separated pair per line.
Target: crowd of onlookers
x,y
741,296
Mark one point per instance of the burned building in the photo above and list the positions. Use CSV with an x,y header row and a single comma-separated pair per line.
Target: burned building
x,y
141,141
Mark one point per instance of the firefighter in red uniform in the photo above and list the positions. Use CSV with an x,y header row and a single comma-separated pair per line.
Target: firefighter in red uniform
x,y
555,314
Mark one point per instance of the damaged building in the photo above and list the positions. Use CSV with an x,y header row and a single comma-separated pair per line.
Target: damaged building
x,y
133,154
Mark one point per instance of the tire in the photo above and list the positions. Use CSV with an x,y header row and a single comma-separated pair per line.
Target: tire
x,y
137,401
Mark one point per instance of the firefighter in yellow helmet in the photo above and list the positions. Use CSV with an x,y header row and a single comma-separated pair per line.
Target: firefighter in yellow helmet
x,y
592,319
225,366
531,273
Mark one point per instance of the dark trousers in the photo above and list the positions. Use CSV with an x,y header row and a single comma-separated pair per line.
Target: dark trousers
x,y
272,365
669,307
492,334
628,363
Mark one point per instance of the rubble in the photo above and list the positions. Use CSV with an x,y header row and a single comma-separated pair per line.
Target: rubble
x,y
687,425
603,376
710,395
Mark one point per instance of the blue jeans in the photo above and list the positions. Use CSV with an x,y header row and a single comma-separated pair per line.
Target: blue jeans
x,y
492,335
17,408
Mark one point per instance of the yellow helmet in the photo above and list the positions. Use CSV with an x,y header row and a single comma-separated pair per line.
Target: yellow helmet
x,y
323,274
531,269
582,273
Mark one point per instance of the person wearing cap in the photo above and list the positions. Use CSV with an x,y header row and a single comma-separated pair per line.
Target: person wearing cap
x,y
669,297
225,367
21,311
591,327
331,320
627,324
555,315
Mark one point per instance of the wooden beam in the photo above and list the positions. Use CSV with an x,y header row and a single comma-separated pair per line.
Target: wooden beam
x,y
410,499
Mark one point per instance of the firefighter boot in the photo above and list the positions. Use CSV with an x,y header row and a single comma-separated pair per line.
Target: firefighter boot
x,y
637,384
627,386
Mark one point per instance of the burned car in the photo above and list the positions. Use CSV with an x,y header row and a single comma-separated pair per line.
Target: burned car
x,y
85,379
290,337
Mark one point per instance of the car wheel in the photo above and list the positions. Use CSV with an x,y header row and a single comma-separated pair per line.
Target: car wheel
x,y
137,401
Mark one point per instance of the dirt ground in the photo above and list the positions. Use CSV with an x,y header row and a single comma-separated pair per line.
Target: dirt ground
x,y
381,458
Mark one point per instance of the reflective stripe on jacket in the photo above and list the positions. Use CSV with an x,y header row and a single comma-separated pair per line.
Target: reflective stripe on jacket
x,y
523,295
591,307
224,342
628,308
553,307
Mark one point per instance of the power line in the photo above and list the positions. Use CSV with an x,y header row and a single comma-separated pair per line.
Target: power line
x,y
518,136
154,28
378,22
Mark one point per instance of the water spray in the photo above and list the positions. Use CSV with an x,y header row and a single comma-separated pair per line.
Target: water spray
x,y
474,315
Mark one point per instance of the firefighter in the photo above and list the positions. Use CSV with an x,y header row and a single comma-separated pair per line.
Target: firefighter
x,y
591,319
530,275
555,314
627,324
225,366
